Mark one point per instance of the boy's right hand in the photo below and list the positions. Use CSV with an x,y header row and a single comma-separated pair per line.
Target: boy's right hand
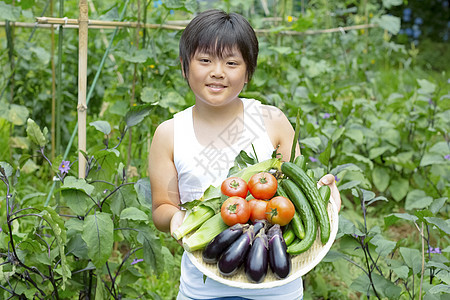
x,y
176,221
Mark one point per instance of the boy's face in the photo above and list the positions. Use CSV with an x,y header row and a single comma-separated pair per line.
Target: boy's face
x,y
217,80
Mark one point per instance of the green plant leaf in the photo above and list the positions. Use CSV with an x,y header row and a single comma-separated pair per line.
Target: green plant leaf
x,y
389,23
347,227
381,178
386,287
137,114
98,235
355,134
35,134
361,158
143,191
440,288
362,284
150,95
135,56
426,87
443,225
102,126
389,3
77,246
9,12
312,142
172,101
399,268
76,200
345,167
349,185
399,188
378,151
392,218
133,213
437,204
412,258
17,114
431,159
417,199
6,169
123,198
324,157
337,133
384,246
99,290
152,250
71,182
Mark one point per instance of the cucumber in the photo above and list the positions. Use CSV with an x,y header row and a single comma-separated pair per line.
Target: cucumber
x,y
281,191
310,190
310,173
297,226
305,211
296,222
300,161
288,235
325,192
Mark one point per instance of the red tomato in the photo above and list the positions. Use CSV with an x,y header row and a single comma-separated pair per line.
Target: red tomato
x,y
280,210
234,186
257,209
262,185
235,210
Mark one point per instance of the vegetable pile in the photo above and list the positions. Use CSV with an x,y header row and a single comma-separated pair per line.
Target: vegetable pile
x,y
261,216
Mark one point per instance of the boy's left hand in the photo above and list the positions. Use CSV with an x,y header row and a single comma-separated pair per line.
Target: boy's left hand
x,y
331,182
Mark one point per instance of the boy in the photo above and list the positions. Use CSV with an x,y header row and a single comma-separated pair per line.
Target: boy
x,y
195,149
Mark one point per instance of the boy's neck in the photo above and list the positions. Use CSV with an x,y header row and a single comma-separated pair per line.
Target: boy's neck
x,y
218,114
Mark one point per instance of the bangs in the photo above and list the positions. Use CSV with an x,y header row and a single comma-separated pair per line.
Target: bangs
x,y
220,43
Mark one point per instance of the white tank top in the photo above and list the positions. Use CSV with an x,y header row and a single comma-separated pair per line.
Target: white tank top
x,y
200,166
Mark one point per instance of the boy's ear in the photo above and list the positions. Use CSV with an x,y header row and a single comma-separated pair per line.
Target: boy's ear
x,y
182,68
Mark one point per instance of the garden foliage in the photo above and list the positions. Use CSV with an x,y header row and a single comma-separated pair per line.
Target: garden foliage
x,y
373,112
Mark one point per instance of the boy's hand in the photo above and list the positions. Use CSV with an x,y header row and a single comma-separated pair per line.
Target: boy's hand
x,y
176,221
329,180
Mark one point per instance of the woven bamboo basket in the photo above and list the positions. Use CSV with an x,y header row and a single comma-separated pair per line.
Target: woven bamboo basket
x,y
301,264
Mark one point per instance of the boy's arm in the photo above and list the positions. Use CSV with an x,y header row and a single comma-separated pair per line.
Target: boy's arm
x,y
164,180
280,131
282,134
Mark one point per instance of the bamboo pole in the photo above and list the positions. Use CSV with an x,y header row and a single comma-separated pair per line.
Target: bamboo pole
x,y
82,78
88,97
46,22
59,99
52,55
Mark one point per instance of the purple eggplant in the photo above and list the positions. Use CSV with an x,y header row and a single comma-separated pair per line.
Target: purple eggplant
x,y
279,259
217,246
236,253
260,224
258,258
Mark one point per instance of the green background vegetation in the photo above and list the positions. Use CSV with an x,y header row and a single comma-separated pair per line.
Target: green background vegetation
x,y
374,110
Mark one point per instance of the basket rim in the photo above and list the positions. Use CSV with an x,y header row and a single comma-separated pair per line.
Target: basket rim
x,y
318,256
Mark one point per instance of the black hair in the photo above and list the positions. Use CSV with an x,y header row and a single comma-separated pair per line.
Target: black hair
x,y
217,32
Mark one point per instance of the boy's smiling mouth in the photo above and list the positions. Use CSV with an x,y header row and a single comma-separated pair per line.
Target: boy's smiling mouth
x,y
216,86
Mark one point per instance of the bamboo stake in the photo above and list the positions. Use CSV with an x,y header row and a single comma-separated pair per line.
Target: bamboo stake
x,y
82,78
96,24
52,55
59,92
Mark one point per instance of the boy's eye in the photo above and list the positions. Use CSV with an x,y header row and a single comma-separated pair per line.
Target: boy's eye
x,y
204,60
232,63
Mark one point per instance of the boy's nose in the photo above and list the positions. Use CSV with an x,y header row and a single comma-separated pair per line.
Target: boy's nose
x,y
217,71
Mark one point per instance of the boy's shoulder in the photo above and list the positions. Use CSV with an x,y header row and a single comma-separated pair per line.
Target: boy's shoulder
x,y
165,128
